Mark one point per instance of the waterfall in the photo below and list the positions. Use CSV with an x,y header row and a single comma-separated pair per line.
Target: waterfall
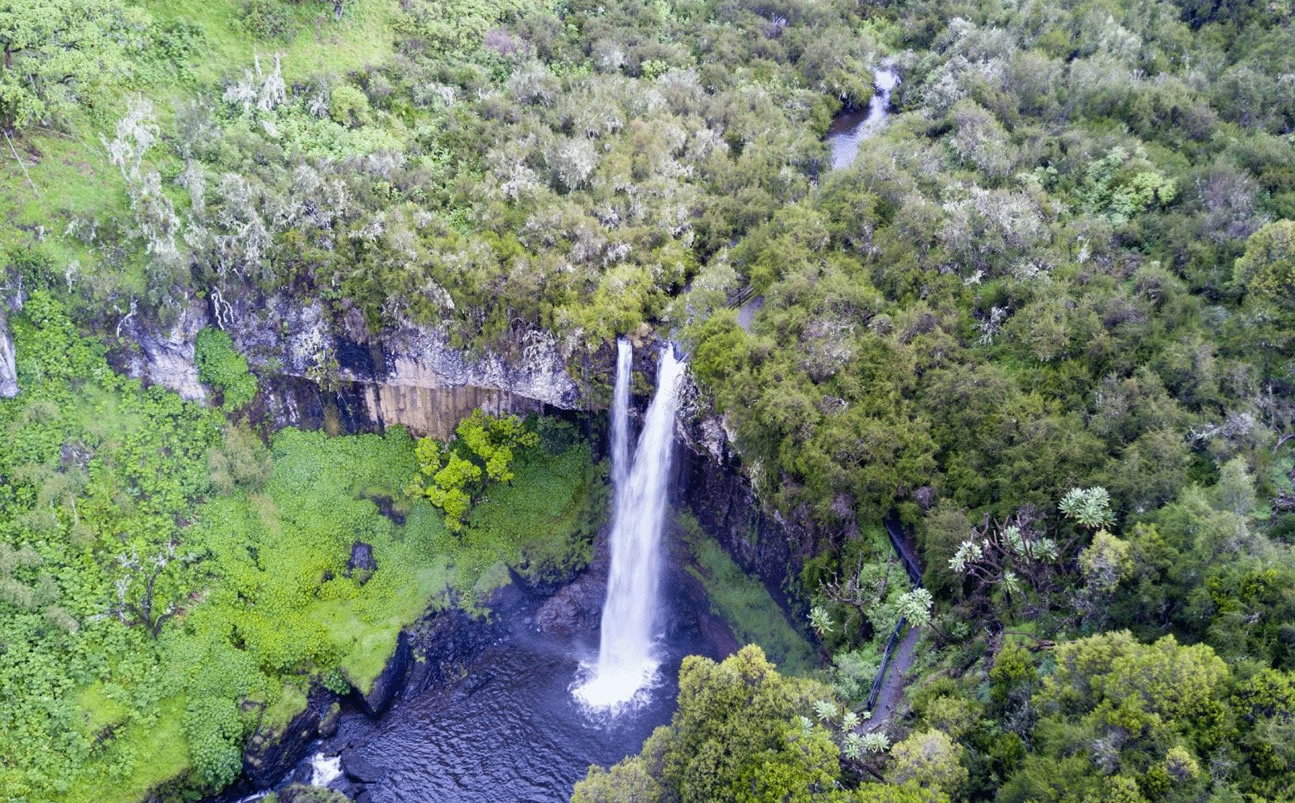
x,y
620,414
626,655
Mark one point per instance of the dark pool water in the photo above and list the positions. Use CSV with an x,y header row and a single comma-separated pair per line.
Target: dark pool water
x,y
510,730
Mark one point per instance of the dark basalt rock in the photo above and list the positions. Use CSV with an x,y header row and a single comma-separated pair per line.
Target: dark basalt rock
x,y
444,644
362,564
360,769
272,752
574,608
710,483
390,681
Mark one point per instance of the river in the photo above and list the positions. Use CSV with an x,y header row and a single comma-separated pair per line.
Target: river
x,y
848,131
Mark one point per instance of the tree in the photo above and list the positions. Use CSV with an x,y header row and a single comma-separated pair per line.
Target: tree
x,y
241,461
930,759
453,476
148,594
627,782
58,53
1267,268
1012,555
1105,561
740,733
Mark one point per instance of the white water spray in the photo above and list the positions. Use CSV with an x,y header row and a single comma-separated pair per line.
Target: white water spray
x,y
324,770
627,662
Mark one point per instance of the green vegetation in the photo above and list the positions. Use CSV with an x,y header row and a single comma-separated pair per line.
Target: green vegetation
x,y
223,368
171,584
744,603
459,472
741,732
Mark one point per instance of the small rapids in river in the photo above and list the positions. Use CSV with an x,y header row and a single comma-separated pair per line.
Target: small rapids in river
x,y
627,661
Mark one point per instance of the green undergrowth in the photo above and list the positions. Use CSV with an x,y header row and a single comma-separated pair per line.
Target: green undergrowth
x,y
541,525
169,583
283,556
744,603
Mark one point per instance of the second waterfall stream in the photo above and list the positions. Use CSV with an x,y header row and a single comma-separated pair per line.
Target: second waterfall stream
x,y
627,656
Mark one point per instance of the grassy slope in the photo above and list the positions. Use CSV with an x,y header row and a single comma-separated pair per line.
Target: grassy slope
x,y
57,177
744,604
269,607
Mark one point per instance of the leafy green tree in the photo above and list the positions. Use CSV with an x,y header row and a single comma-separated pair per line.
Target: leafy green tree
x,y
1267,268
214,731
58,53
739,733
458,473
930,759
626,782
1105,561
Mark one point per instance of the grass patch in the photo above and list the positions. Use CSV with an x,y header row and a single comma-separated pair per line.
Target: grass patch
x,y
316,42
744,603
541,524
100,710
292,701
118,777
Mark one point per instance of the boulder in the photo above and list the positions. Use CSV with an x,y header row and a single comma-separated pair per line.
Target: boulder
x,y
360,769
362,564
445,644
574,608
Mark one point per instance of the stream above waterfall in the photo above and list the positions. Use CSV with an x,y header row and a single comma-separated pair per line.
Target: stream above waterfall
x,y
848,131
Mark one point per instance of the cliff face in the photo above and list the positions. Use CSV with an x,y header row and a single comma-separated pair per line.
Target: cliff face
x,y
166,359
320,373
8,367
715,488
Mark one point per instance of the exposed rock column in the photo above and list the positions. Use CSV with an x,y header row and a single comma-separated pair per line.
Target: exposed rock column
x,y
8,367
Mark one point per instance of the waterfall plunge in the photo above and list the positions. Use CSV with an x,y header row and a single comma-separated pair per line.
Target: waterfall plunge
x,y
626,659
